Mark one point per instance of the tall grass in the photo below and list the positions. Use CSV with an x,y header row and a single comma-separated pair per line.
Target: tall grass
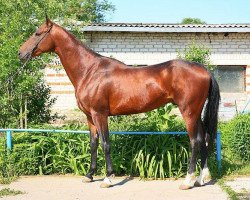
x,y
236,136
147,156
236,145
160,156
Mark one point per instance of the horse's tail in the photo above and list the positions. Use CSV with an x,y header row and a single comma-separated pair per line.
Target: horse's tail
x,y
211,111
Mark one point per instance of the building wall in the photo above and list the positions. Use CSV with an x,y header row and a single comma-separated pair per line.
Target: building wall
x,y
152,48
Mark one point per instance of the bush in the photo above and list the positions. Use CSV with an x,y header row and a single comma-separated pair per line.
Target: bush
x,y
196,53
159,119
40,105
236,137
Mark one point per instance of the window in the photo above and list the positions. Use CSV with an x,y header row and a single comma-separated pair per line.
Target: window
x,y
231,79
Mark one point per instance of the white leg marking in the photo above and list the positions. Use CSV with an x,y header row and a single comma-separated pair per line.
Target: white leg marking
x,y
203,175
107,181
189,180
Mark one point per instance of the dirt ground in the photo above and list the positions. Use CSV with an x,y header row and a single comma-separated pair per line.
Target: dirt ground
x,y
72,188
241,186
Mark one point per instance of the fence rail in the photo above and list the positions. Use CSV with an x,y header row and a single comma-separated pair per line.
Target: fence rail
x,y
10,131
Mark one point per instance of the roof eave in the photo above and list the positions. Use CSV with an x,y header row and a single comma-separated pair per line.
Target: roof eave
x,y
166,30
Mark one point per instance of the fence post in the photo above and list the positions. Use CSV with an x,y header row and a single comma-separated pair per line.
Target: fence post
x,y
9,139
218,150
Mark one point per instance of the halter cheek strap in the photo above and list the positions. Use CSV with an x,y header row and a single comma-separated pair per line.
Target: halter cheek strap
x,y
36,46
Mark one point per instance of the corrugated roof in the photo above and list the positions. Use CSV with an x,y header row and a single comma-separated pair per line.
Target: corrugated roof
x,y
156,27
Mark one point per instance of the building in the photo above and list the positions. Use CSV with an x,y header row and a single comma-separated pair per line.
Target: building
x,y
146,44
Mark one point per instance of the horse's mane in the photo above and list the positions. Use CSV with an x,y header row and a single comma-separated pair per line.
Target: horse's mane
x,y
77,41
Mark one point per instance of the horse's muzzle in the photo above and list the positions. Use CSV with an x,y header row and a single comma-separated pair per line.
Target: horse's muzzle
x,y
24,57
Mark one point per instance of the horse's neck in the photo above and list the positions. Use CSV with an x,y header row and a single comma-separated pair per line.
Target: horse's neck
x,y
76,59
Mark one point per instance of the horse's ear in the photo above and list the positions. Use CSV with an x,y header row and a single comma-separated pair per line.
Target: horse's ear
x,y
48,21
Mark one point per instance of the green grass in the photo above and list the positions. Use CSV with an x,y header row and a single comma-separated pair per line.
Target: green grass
x,y
231,193
244,169
9,192
244,195
7,180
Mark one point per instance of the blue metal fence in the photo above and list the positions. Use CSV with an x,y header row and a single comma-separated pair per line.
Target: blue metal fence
x,y
10,131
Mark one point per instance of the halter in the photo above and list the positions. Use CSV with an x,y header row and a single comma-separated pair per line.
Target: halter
x,y
36,46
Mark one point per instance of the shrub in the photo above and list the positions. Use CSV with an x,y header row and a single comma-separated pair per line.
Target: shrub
x,y
159,119
196,53
236,137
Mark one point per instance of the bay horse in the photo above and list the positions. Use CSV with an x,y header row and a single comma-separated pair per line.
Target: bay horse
x,y
107,87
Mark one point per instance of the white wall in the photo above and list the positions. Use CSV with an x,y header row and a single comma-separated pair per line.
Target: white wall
x,y
151,48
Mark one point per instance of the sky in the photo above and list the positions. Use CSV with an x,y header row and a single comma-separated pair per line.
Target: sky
x,y
173,11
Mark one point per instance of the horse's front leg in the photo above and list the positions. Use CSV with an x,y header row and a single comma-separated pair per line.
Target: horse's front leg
x,y
94,141
101,123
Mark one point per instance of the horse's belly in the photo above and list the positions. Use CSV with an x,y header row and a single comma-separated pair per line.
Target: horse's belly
x,y
137,104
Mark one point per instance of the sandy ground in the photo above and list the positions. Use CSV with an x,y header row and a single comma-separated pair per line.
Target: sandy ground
x,y
239,184
68,187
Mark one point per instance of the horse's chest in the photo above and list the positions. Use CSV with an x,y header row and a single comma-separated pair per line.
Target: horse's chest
x,y
83,103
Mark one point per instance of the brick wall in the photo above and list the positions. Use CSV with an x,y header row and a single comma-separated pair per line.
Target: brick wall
x,y
151,48
61,88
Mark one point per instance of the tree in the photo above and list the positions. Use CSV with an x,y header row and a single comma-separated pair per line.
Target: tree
x,y
19,20
89,10
196,53
189,20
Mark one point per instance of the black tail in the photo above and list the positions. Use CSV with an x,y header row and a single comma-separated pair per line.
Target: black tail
x,y
211,111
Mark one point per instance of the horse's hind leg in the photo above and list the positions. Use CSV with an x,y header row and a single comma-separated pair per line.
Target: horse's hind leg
x,y
94,141
194,128
204,174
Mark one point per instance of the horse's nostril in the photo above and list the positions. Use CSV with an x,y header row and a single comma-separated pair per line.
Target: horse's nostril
x,y
20,54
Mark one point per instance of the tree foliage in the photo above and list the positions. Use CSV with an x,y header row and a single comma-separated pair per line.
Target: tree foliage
x,y
196,53
189,20
19,20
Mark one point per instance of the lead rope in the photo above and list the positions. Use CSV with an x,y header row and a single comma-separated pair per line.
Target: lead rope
x,y
10,79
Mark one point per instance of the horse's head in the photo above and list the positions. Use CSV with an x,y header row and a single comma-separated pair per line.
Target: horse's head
x,y
40,42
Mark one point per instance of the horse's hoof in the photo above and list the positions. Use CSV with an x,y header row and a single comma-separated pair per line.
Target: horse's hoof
x,y
198,184
87,179
105,185
185,187
112,176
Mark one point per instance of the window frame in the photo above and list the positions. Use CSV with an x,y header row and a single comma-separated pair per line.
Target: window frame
x,y
243,75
